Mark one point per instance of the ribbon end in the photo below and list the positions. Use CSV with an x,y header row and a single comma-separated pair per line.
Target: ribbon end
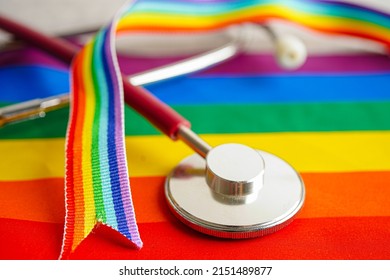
x,y
106,232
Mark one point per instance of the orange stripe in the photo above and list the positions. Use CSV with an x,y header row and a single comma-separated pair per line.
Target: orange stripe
x,y
360,194
77,151
356,30
38,200
149,200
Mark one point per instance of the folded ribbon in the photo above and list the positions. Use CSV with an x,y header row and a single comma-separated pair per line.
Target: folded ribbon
x,y
97,182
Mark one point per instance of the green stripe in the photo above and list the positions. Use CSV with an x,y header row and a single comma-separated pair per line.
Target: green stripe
x,y
361,14
98,79
291,117
235,119
221,9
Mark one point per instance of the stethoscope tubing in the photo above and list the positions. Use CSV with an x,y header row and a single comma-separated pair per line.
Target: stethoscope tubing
x,y
156,111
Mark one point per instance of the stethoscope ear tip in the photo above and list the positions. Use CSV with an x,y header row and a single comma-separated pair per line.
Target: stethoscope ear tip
x,y
290,52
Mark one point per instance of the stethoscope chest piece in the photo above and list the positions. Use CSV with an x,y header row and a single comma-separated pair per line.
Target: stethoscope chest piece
x,y
237,192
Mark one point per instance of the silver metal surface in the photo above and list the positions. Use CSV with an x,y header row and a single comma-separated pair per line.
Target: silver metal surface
x,y
192,200
32,109
187,66
234,173
193,140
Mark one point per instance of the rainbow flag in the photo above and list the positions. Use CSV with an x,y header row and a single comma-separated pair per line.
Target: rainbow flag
x,y
329,119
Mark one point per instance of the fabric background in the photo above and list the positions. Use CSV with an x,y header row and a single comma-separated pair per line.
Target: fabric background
x,y
330,120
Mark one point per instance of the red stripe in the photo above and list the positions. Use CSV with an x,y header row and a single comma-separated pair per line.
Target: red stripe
x,y
338,238
353,33
322,238
29,240
73,163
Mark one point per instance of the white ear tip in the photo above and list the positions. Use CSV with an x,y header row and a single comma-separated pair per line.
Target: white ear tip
x,y
291,52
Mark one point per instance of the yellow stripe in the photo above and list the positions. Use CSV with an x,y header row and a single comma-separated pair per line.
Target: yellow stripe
x,y
89,202
161,21
157,155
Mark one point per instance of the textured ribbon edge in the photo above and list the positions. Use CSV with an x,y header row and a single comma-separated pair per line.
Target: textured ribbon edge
x,y
70,243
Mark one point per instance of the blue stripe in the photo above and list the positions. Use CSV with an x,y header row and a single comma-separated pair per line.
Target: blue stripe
x,y
295,88
342,10
20,83
112,154
274,89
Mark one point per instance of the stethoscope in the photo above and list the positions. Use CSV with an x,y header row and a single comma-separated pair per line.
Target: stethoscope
x,y
231,190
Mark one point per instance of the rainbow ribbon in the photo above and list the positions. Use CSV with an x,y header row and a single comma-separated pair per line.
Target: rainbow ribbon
x,y
97,181
96,178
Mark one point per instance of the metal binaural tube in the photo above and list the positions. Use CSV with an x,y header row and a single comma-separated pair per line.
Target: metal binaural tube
x,y
28,109
31,109
193,140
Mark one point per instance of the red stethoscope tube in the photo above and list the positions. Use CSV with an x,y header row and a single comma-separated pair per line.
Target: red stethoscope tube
x,y
154,110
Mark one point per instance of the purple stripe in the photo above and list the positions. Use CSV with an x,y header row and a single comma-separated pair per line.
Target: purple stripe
x,y
265,65
30,56
121,153
351,6
245,65
261,64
